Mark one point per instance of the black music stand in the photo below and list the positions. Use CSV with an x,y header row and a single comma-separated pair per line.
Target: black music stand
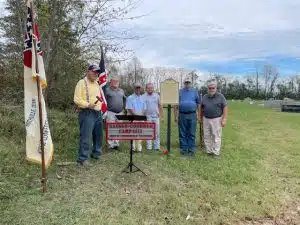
x,y
132,118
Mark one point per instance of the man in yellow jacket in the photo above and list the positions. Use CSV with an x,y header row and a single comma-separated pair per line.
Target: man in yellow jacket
x,y
85,97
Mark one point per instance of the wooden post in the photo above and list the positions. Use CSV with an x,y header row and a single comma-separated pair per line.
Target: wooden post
x,y
38,83
201,134
169,129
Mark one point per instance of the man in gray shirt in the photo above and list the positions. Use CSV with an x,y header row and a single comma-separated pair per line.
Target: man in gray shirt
x,y
153,112
115,98
214,114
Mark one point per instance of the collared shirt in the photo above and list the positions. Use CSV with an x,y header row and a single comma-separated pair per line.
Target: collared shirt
x,y
115,99
152,101
213,105
136,103
188,100
86,92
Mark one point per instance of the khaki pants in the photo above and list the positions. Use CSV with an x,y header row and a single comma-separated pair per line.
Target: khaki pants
x,y
212,130
137,144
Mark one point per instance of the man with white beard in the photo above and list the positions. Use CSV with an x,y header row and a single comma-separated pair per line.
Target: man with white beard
x,y
153,112
214,114
116,101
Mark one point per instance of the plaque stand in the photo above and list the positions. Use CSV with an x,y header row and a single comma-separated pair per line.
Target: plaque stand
x,y
169,92
132,118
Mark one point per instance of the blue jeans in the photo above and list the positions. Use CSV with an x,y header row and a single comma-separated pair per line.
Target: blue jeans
x,y
187,128
90,122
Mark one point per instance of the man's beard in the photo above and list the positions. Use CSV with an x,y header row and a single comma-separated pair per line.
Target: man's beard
x,y
211,93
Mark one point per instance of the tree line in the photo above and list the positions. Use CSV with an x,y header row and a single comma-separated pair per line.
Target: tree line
x,y
266,83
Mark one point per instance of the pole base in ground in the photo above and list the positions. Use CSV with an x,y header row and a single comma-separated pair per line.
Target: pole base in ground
x,y
165,154
129,169
44,181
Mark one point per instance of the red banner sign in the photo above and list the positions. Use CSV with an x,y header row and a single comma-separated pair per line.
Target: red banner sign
x,y
130,131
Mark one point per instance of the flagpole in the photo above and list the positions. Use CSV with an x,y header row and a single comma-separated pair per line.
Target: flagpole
x,y
39,103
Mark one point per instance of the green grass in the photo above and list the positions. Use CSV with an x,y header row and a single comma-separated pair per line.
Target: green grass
x,y
256,176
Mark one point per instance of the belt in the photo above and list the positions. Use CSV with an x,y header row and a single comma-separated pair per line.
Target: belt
x,y
114,111
189,112
214,117
87,109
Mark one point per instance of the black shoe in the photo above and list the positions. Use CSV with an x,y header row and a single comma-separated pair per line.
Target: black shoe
x,y
95,157
82,163
184,154
216,156
192,154
116,148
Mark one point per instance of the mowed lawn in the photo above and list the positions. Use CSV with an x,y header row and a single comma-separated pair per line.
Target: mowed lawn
x,y
257,176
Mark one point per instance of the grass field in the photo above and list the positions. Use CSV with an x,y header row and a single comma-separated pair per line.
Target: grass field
x,y
256,177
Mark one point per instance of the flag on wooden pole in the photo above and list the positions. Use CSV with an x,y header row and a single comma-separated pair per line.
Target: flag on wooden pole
x,y
34,103
102,80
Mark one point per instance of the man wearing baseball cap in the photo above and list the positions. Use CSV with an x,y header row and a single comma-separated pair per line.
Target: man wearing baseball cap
x,y
189,102
89,108
214,114
116,99
135,105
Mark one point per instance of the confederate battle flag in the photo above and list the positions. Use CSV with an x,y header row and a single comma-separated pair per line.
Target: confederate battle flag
x,y
102,80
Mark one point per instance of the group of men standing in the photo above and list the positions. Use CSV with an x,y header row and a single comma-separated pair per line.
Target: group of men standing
x,y
211,110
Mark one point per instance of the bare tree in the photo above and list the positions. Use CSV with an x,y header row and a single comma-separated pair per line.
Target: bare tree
x,y
270,75
257,88
274,77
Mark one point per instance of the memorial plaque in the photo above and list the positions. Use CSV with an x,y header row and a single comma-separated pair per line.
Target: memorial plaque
x,y
169,92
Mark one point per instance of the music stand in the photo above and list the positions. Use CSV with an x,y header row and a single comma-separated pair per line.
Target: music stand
x,y
132,118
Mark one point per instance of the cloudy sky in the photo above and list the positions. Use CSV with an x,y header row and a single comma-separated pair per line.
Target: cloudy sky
x,y
229,36
225,36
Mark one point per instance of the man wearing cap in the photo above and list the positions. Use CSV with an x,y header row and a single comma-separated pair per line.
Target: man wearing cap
x,y
115,98
135,105
89,109
153,113
189,102
214,115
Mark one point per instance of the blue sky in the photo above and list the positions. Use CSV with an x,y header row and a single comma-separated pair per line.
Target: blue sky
x,y
229,36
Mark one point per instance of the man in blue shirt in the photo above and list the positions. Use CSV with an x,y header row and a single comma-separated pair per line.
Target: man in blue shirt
x,y
189,102
135,105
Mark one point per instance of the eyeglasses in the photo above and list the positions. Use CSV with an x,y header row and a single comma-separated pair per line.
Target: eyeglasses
x,y
212,88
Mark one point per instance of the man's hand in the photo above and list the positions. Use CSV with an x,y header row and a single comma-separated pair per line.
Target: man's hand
x,y
223,122
91,106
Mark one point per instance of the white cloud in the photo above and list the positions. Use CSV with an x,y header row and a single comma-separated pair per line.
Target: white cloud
x,y
186,32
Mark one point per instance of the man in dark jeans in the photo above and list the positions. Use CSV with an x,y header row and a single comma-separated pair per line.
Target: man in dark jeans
x,y
90,119
189,102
